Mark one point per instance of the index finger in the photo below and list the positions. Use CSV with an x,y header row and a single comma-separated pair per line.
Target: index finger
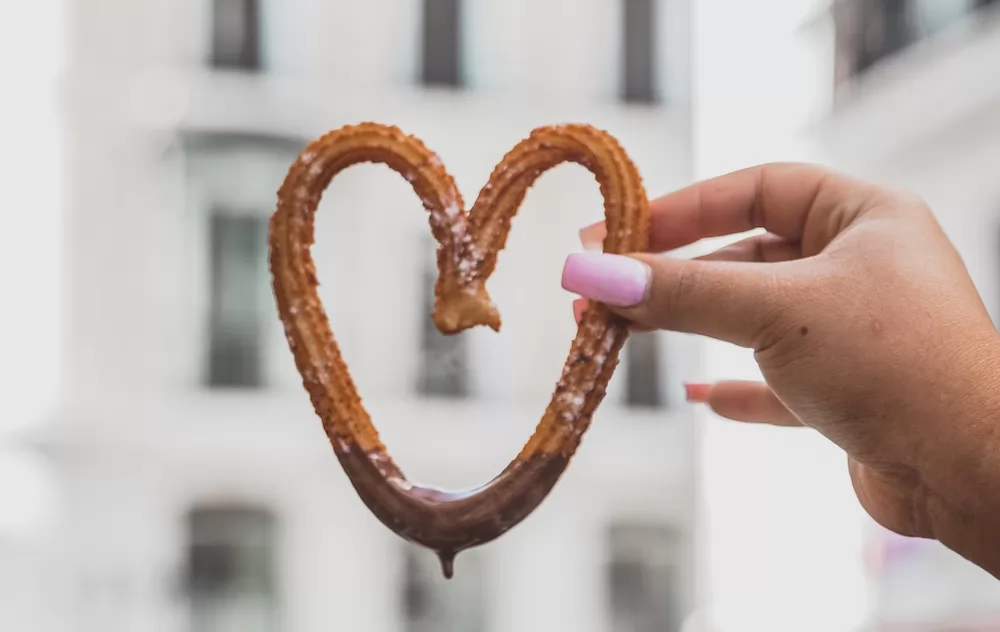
x,y
787,199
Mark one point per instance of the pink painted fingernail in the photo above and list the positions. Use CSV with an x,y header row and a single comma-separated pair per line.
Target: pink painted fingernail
x,y
697,393
592,237
613,279
579,305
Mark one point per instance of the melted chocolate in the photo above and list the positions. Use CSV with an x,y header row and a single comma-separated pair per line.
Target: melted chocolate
x,y
445,522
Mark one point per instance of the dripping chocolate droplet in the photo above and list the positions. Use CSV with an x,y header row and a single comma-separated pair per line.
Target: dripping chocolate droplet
x,y
447,563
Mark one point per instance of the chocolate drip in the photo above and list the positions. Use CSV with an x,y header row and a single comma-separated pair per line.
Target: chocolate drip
x,y
448,523
447,563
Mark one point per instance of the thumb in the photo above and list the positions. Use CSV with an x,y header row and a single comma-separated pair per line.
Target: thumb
x,y
730,301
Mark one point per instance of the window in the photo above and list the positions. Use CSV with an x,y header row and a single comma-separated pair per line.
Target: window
x,y
885,30
869,31
643,578
643,383
894,28
444,359
236,34
432,603
442,43
930,16
238,285
231,570
847,33
639,51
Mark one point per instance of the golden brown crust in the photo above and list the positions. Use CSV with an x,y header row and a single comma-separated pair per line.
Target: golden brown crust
x,y
469,243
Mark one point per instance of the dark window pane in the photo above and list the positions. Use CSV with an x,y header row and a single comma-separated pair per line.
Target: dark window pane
x,y
643,584
891,27
432,603
236,34
231,570
639,51
417,596
643,382
238,281
212,567
442,43
869,31
443,359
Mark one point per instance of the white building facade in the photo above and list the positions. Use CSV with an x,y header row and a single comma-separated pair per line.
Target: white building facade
x,y
196,488
917,105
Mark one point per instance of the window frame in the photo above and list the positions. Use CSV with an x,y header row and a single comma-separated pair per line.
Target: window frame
x,y
666,558
651,344
266,590
465,604
247,56
442,64
639,66
256,377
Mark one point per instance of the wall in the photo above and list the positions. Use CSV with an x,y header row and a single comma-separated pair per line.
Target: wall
x,y
136,439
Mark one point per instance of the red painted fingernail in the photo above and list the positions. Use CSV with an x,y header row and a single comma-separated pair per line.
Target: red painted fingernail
x,y
697,393
579,305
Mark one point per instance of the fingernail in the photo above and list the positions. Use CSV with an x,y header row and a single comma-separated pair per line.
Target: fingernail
x,y
592,237
579,305
613,279
697,393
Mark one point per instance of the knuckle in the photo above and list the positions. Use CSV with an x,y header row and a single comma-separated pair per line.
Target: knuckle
x,y
672,296
685,286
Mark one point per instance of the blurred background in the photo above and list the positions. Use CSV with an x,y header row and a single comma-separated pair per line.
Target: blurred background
x,y
161,468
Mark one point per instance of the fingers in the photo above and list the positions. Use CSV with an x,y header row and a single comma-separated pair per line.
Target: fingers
x,y
613,286
758,248
766,248
726,294
797,202
592,237
721,299
750,402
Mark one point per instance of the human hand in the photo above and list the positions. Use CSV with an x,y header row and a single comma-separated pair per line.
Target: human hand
x,y
864,322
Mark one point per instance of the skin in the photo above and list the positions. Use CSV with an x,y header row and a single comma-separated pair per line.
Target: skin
x,y
866,326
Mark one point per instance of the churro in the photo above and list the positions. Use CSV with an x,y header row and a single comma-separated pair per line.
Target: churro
x,y
468,244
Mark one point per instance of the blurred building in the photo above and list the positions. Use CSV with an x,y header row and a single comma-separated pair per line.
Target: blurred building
x,y
917,104
197,490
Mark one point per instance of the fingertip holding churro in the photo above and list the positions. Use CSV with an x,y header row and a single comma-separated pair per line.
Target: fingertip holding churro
x,y
468,244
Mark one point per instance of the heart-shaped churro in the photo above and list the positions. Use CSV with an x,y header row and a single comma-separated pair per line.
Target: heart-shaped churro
x,y
467,253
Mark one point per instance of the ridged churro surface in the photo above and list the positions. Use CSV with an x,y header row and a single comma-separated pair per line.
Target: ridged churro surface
x,y
468,244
